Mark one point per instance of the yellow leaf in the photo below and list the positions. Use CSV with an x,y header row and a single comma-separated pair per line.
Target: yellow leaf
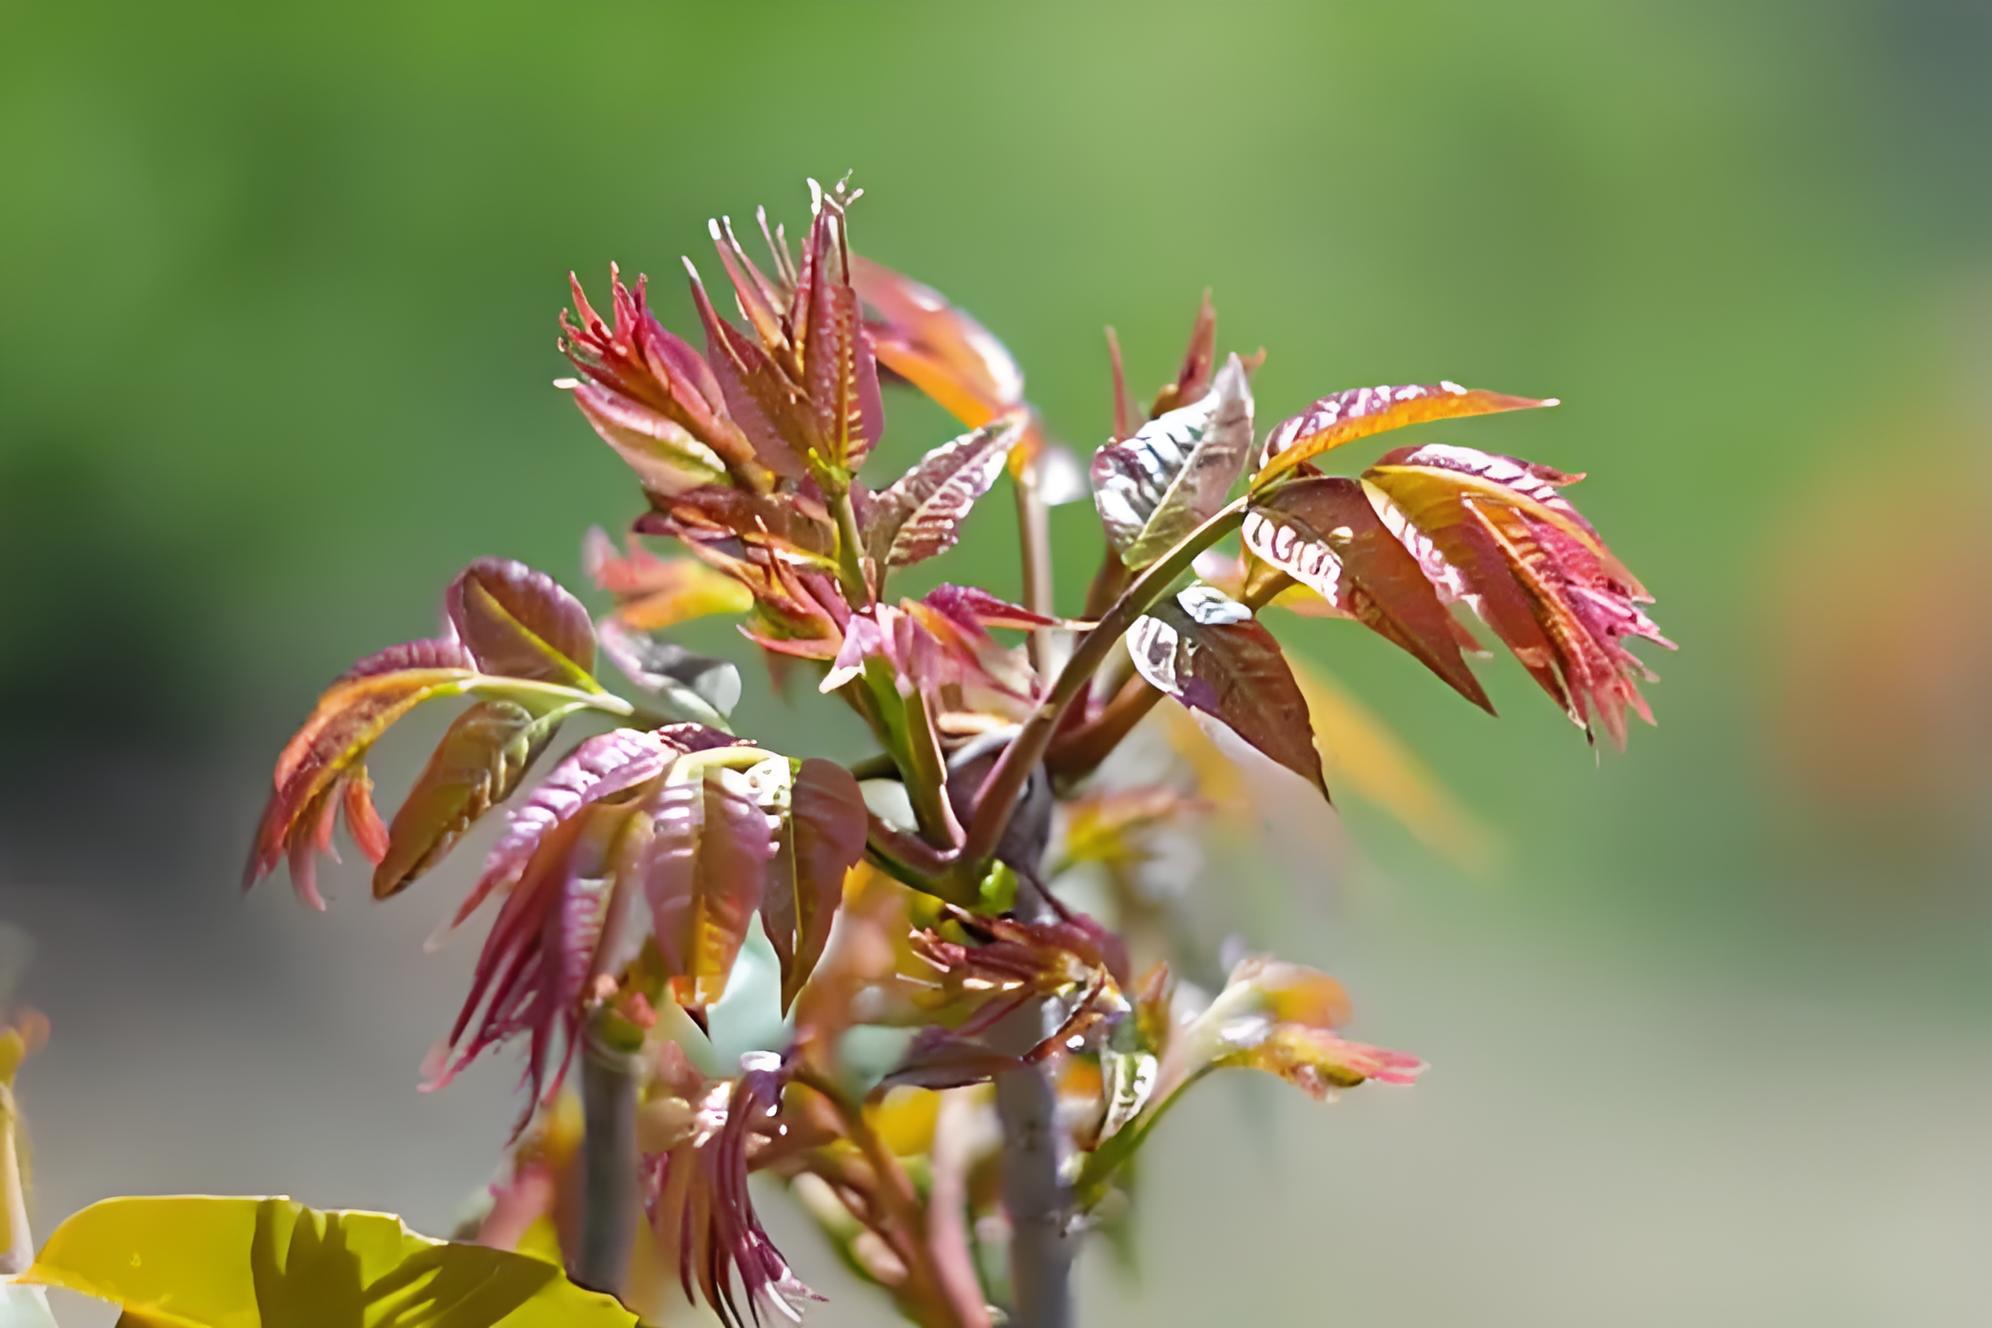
x,y
1365,757
204,1262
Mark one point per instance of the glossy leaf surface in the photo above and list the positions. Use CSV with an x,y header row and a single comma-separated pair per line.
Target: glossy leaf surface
x,y
1205,649
205,1262
1323,532
1157,486
1344,417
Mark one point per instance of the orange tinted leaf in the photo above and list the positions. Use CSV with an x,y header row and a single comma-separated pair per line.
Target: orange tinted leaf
x,y
653,593
1157,486
702,873
1204,649
328,754
1323,532
480,760
1495,532
1344,417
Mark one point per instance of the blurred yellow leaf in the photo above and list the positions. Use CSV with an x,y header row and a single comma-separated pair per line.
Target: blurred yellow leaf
x,y
1363,756
203,1262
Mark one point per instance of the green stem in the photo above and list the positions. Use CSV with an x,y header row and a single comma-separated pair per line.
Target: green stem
x,y
1005,784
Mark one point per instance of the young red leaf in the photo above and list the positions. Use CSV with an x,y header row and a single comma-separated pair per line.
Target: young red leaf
x,y
1344,417
1494,531
1323,532
652,398
1156,487
520,623
558,931
921,513
1193,379
839,371
769,406
480,760
602,767
821,821
702,873
1204,649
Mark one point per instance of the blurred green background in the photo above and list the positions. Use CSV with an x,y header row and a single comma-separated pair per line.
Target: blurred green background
x,y
1710,1040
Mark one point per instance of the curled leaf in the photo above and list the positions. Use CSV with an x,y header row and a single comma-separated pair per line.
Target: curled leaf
x,y
324,764
1323,532
692,686
1344,417
921,513
1157,486
1204,649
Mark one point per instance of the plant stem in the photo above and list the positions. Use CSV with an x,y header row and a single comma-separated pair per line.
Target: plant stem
x,y
17,1243
609,1200
1005,784
1034,545
1037,1201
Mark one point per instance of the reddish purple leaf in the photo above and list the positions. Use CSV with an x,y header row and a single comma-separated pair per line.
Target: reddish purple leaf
x,y
1204,649
1323,532
519,623
601,767
822,826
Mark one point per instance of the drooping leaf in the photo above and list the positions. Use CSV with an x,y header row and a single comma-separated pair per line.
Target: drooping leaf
x,y
1495,532
821,820
324,764
1343,417
1156,487
1323,532
692,686
702,873
482,757
921,513
1204,649
695,1181
603,766
206,1262
555,934
653,593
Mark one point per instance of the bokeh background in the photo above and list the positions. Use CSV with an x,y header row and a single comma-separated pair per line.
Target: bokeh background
x,y
1711,1036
